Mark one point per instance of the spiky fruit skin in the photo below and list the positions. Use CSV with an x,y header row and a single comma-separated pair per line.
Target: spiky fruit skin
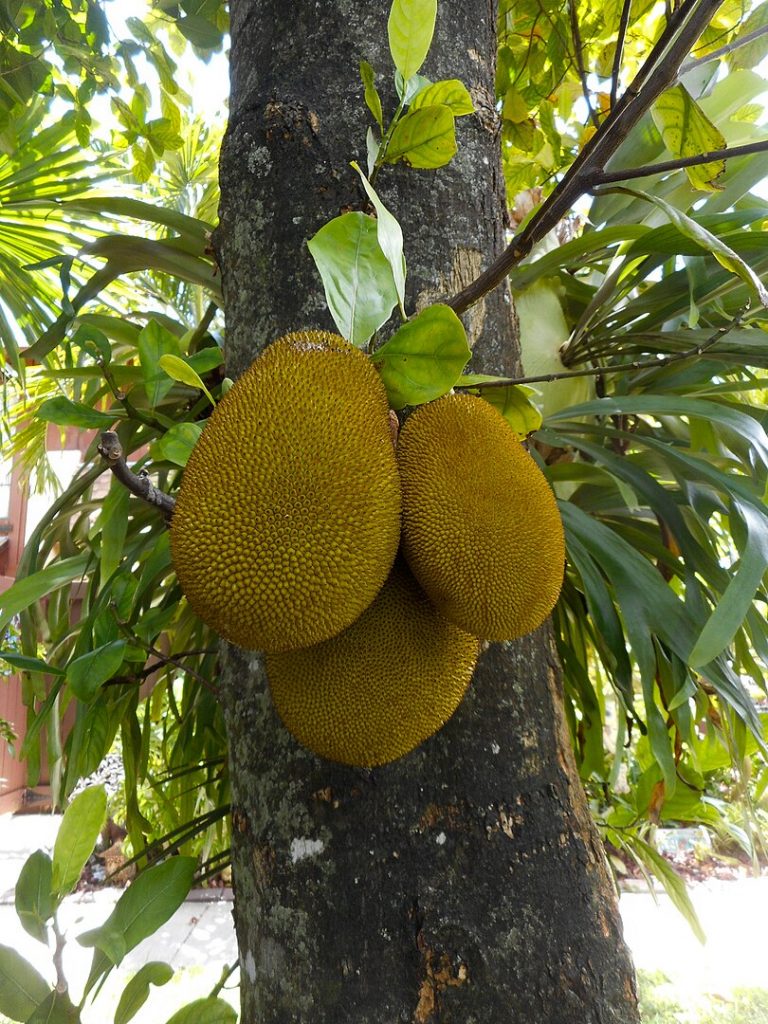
x,y
288,518
481,529
377,690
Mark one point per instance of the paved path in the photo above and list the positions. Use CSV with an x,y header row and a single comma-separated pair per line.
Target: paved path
x,y
199,939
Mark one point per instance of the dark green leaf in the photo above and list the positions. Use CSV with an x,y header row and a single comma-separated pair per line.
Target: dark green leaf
x,y
87,673
66,413
25,663
136,992
153,343
80,827
177,444
424,358
113,524
22,989
35,903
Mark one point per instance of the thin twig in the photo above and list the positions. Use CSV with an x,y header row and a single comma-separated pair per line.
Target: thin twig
x,y
657,73
166,658
202,328
607,177
226,973
596,371
111,450
722,51
618,55
579,58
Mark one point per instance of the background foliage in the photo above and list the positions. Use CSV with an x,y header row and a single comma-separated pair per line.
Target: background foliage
x,y
658,453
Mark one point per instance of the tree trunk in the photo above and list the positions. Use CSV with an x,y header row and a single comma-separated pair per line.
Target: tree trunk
x,y
464,882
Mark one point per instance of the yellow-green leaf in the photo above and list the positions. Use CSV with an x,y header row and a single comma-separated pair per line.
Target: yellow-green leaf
x,y
410,27
181,371
451,92
424,138
687,131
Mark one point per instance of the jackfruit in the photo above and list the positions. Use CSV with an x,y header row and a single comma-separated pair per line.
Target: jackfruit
x,y
481,529
377,690
288,518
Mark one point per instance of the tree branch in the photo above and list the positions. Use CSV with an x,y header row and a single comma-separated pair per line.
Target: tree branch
x,y
619,51
111,450
658,73
607,177
579,57
638,364
722,51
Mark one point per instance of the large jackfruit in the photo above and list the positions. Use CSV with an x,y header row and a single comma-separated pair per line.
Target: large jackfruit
x,y
288,518
481,529
377,690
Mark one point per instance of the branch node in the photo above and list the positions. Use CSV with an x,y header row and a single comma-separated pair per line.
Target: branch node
x,y
139,484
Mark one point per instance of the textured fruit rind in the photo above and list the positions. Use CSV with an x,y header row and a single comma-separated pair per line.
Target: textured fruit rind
x,y
288,518
481,529
377,690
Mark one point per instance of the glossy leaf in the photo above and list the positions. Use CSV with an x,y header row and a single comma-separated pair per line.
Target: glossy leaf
x,y
390,236
113,527
410,28
424,138
136,992
25,663
423,359
687,131
451,92
356,275
154,342
80,827
88,672
515,405
22,988
35,903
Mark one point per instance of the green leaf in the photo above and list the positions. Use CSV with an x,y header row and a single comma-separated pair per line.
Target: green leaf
x,y
25,663
724,255
22,989
87,673
180,370
113,527
451,92
177,444
29,589
514,404
200,32
674,886
390,237
80,827
356,275
410,27
136,992
154,342
424,358
732,608
424,138
406,90
372,98
66,413
144,907
56,1008
205,1011
687,131
35,903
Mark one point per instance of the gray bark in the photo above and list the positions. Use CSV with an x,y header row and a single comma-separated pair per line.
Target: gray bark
x,y
465,882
